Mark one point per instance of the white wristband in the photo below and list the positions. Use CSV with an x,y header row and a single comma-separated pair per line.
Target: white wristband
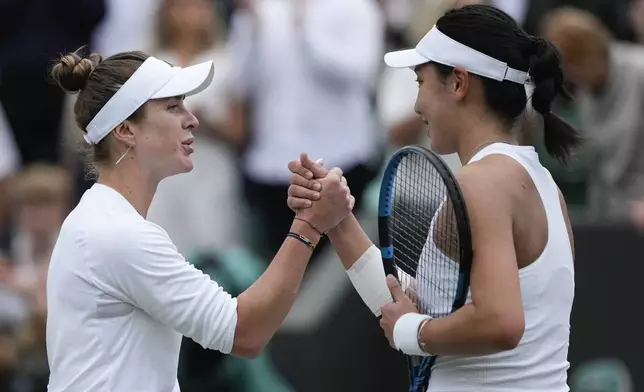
x,y
406,333
368,277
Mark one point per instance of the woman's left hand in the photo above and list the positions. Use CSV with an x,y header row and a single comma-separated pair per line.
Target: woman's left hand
x,y
392,311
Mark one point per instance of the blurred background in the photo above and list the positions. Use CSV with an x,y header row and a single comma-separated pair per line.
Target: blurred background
x,y
308,75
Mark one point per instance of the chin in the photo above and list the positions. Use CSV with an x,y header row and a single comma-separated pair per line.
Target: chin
x,y
187,165
184,165
438,148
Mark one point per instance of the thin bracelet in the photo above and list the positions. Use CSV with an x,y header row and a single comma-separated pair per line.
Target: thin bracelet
x,y
302,239
312,227
419,336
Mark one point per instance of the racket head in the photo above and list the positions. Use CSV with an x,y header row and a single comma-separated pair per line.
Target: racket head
x,y
419,197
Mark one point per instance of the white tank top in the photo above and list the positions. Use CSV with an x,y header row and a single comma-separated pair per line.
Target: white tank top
x,y
540,361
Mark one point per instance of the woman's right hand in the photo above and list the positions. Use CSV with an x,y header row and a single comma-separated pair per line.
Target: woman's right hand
x,y
305,182
331,200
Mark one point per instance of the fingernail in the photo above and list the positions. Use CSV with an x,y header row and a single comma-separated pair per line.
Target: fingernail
x,y
308,203
308,175
317,186
316,195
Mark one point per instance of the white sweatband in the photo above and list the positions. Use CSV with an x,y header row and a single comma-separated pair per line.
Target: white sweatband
x,y
406,333
368,277
154,79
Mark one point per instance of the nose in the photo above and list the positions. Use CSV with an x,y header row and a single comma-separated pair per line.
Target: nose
x,y
192,122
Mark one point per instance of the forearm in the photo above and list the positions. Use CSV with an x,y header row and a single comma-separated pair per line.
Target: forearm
x,y
363,262
468,332
349,240
263,307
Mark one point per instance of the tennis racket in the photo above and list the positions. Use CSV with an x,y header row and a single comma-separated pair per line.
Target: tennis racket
x,y
425,239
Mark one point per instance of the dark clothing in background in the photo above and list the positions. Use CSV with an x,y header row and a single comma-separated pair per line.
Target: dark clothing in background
x,y
32,34
613,13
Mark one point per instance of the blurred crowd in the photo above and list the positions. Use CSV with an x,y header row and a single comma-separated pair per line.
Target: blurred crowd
x,y
291,76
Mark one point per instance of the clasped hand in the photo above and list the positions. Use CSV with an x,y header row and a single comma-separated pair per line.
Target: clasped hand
x,y
324,201
304,192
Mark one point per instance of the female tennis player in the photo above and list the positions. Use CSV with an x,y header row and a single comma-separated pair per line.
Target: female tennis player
x,y
119,294
513,334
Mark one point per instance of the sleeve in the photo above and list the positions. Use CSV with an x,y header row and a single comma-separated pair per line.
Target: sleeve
x,y
344,41
145,270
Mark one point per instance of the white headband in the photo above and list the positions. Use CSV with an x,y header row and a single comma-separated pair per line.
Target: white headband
x,y
439,48
152,80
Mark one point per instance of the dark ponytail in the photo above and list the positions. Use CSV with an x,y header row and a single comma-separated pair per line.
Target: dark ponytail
x,y
560,137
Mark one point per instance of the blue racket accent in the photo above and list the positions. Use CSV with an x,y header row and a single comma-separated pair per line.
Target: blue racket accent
x,y
387,185
419,383
387,251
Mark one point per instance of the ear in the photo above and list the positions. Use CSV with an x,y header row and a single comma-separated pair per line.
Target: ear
x,y
461,82
125,133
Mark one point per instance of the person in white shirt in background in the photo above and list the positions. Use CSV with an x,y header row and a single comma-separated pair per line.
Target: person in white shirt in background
x,y
207,218
9,163
128,25
119,294
307,70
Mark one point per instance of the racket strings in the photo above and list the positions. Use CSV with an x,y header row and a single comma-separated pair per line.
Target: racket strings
x,y
425,240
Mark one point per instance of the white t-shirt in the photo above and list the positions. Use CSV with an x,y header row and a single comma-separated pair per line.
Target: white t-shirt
x,y
9,156
120,297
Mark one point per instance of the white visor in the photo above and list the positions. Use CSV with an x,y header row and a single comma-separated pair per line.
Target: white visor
x,y
438,48
154,79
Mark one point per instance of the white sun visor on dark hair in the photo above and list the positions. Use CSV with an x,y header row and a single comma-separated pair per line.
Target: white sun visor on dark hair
x,y
438,48
152,80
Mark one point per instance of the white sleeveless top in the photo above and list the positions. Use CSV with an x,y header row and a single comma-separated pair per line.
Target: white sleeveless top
x,y
539,362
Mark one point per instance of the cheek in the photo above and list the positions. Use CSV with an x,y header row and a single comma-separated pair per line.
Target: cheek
x,y
422,105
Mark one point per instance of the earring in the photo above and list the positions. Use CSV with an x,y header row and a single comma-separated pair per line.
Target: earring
x,y
123,156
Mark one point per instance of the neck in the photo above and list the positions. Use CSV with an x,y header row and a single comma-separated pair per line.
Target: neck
x,y
479,134
128,179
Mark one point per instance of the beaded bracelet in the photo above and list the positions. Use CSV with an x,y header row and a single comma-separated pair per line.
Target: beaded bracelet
x,y
302,239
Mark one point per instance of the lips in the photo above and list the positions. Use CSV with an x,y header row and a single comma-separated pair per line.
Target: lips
x,y
186,145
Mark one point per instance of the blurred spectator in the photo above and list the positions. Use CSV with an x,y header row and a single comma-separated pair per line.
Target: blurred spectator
x,y
9,162
14,314
39,198
31,34
304,80
128,25
609,80
636,17
205,218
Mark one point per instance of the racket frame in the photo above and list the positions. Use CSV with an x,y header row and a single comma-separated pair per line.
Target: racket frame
x,y
385,205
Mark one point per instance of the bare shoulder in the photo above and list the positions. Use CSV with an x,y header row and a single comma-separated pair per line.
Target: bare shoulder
x,y
495,176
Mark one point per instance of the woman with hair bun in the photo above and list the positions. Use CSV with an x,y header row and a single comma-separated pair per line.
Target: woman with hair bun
x,y
119,295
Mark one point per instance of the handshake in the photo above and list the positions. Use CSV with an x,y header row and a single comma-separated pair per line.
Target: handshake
x,y
317,195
